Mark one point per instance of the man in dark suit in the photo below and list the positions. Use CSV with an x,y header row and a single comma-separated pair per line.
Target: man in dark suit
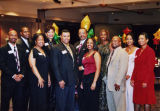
x,y
81,48
25,44
12,79
65,70
48,45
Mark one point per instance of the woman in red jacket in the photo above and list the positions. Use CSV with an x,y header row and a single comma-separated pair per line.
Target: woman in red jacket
x,y
143,75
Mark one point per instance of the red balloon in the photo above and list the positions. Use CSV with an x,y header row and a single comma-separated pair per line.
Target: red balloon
x,y
127,30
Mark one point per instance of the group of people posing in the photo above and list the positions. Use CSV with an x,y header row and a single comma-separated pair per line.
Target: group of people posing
x,y
44,76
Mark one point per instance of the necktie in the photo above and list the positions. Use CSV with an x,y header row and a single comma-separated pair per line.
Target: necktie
x,y
110,58
17,59
80,46
70,51
109,63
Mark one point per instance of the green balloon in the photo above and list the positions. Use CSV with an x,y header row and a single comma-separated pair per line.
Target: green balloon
x,y
56,38
90,33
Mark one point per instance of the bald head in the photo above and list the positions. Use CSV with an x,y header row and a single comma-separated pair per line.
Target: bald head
x,y
116,42
12,36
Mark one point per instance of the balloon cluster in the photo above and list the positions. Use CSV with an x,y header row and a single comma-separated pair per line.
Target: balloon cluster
x,y
56,36
156,37
125,32
86,23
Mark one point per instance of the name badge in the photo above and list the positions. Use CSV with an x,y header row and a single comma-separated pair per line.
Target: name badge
x,y
64,52
39,53
46,44
10,52
27,51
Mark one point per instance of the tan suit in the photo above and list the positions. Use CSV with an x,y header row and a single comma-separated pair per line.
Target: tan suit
x,y
117,69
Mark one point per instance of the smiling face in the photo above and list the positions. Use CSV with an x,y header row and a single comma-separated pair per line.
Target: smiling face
x,y
129,40
50,34
90,44
12,36
116,42
40,41
103,35
65,37
142,40
25,32
82,34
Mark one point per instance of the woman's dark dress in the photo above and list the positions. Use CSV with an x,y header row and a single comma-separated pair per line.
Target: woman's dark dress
x,y
104,52
38,97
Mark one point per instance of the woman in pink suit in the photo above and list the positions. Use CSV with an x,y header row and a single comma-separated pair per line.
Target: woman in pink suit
x,y
143,75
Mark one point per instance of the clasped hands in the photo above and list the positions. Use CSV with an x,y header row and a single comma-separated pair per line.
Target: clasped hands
x,y
17,77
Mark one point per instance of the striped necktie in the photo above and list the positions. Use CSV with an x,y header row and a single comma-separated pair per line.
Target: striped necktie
x,y
17,59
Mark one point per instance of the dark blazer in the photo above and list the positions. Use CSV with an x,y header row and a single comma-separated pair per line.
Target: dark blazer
x,y
82,51
62,64
9,66
47,47
25,50
24,47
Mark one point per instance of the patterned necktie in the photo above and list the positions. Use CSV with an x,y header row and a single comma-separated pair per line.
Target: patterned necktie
x,y
17,59
80,46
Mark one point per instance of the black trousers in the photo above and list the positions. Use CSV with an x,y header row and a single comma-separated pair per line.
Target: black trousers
x,y
18,99
65,98
90,97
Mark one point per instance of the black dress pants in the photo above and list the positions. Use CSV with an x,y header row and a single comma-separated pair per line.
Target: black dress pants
x,y
18,99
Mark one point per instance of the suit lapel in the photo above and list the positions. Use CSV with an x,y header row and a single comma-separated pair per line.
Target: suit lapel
x,y
68,53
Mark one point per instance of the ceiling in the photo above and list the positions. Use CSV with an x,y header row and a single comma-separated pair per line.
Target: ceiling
x,y
100,11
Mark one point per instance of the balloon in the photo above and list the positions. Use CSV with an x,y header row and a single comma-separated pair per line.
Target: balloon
x,y
38,31
96,39
157,35
56,27
127,30
86,23
124,38
56,38
155,41
90,33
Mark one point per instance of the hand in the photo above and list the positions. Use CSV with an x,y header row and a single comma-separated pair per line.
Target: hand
x,y
132,83
20,76
117,87
81,68
81,86
93,86
144,85
49,83
127,77
62,84
110,47
16,78
40,83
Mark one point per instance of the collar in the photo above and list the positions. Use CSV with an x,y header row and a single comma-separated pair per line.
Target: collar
x,y
12,46
82,41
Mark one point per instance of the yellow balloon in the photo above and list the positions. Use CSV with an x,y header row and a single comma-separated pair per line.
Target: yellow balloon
x,y
86,23
157,34
39,31
56,28
96,38
124,38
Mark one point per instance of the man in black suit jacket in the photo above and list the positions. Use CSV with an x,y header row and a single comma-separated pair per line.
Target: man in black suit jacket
x,y
65,70
81,49
25,44
12,79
